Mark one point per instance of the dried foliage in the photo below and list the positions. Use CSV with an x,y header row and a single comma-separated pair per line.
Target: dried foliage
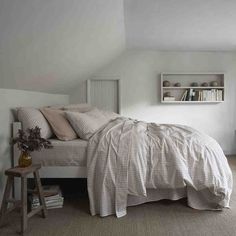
x,y
31,140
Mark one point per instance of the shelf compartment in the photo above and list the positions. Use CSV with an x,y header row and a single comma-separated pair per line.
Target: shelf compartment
x,y
193,88
186,79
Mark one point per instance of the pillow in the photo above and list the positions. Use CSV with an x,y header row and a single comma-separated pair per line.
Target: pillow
x,y
86,124
31,117
58,107
83,107
110,114
61,127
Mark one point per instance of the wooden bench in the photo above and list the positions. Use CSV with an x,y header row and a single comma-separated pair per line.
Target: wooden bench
x,y
25,215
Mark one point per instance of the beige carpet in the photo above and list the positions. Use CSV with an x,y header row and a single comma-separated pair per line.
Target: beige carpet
x,y
159,218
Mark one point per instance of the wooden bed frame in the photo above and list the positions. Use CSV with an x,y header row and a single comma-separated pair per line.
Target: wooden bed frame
x,y
45,171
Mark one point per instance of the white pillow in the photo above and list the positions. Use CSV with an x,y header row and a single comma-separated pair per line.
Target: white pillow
x,y
86,124
31,117
110,114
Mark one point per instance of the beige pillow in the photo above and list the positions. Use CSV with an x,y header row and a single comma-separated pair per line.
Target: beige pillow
x,y
82,107
86,124
61,127
31,117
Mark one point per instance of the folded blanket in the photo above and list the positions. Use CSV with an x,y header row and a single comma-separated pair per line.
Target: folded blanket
x,y
127,157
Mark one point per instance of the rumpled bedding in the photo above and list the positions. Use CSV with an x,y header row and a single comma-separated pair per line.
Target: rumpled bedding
x,y
127,157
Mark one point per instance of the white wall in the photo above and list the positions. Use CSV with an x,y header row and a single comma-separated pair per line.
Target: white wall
x,y
180,25
139,72
50,45
11,99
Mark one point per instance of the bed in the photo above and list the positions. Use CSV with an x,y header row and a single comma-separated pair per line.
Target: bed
x,y
129,162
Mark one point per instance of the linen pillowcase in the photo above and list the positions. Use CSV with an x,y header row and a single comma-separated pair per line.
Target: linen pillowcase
x,y
31,117
82,107
86,124
60,125
110,115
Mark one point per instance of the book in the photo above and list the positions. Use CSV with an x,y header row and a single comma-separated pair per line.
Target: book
x,y
184,95
169,98
60,199
220,95
187,95
52,196
53,204
35,198
211,95
190,95
196,96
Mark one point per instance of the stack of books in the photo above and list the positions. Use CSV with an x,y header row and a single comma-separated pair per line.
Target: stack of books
x,y
202,95
169,99
52,195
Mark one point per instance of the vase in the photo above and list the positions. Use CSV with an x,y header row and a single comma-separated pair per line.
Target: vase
x,y
24,160
166,83
214,83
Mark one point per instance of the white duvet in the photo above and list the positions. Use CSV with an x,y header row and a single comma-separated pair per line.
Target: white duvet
x,y
129,158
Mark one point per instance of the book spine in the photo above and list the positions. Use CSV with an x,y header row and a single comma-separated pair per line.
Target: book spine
x,y
184,95
190,94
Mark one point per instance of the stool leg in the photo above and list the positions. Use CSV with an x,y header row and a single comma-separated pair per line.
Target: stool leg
x,y
40,193
6,196
24,217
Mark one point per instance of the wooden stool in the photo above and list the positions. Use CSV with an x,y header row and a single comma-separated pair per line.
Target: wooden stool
x,y
22,173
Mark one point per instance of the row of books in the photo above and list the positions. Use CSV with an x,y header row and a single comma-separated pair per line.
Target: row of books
x,y
52,195
202,95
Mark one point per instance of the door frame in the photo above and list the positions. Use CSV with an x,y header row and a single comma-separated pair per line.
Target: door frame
x,y
88,95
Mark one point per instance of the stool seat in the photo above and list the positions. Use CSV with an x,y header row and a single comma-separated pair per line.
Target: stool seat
x,y
22,171
25,215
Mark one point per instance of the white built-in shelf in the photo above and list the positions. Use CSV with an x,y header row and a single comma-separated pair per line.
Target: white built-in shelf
x,y
186,79
189,87
191,102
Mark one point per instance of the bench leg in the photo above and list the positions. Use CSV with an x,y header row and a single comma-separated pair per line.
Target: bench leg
x,y
24,217
40,193
6,196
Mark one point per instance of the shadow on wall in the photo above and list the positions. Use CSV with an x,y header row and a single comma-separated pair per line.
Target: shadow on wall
x,y
146,96
142,95
234,151
14,115
5,149
78,95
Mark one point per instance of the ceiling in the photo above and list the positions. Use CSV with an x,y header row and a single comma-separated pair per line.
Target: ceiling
x,y
181,24
51,45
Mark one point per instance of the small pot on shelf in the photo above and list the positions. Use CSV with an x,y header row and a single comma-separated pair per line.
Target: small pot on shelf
x,y
24,160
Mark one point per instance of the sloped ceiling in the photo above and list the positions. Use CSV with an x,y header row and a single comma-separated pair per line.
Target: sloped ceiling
x,y
49,45
181,24
54,45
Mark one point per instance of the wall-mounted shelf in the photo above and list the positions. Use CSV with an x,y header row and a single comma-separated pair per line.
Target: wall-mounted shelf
x,y
187,94
187,102
193,87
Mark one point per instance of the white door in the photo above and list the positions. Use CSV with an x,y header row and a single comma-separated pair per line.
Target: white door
x,y
104,94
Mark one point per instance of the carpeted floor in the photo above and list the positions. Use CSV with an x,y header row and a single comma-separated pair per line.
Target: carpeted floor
x,y
160,218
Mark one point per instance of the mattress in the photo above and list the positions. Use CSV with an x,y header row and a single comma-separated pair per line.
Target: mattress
x,y
63,153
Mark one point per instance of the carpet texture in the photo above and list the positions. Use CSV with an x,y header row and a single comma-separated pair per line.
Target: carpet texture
x,y
165,218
